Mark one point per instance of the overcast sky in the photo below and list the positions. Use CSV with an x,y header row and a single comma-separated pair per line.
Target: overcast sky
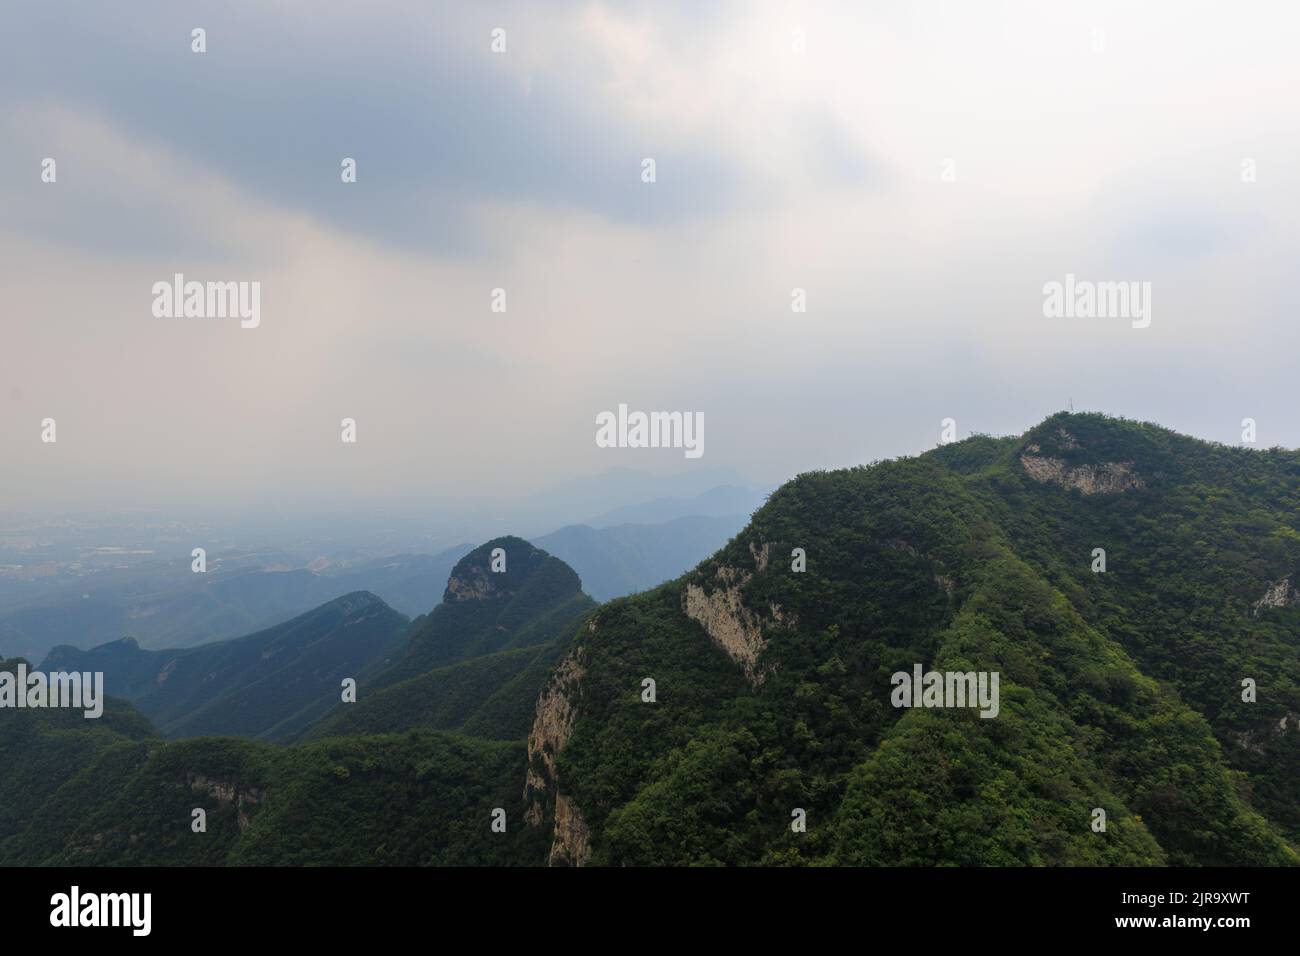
x,y
921,170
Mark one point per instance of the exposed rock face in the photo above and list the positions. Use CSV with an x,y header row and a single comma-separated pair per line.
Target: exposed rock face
x,y
552,724
572,846
1103,478
1280,594
471,586
733,627
1254,740
227,794
726,619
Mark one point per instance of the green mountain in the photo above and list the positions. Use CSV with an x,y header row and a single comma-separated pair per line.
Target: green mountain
x,y
1120,690
270,684
111,792
533,598
114,794
42,750
477,662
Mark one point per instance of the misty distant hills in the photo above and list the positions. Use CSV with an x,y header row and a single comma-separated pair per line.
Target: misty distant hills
x,y
724,501
166,605
596,499
171,607
622,559
409,583
263,684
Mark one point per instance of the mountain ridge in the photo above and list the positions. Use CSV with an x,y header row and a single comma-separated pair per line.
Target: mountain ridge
x,y
977,553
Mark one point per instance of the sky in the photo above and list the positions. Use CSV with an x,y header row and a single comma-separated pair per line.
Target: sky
x,y
919,170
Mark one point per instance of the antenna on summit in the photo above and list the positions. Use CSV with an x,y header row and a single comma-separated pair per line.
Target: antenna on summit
x,y
1072,406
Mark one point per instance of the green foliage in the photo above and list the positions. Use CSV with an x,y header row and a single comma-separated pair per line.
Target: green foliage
x,y
270,684
1114,686
536,600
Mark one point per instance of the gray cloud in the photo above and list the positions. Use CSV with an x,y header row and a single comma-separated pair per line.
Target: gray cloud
x,y
776,170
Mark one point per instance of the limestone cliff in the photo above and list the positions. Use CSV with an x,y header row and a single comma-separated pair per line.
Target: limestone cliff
x,y
557,710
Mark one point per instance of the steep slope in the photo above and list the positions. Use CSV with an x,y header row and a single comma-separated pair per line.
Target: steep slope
x,y
1120,691
269,684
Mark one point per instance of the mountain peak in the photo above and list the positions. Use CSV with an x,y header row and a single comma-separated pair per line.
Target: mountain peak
x,y
498,568
357,601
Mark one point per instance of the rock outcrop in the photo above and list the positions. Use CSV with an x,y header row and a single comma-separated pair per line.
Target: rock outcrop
x,y
1098,478
727,620
1281,594
227,794
472,584
1102,478
552,724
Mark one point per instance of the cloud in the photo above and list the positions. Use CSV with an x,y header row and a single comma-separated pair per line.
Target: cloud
x,y
778,168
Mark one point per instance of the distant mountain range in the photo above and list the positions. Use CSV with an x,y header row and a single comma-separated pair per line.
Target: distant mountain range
x,y
170,606
725,501
622,559
632,548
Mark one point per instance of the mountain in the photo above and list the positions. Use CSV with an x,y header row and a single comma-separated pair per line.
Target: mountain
x,y
1120,690
477,662
1146,711
504,594
409,583
359,791
623,559
268,684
